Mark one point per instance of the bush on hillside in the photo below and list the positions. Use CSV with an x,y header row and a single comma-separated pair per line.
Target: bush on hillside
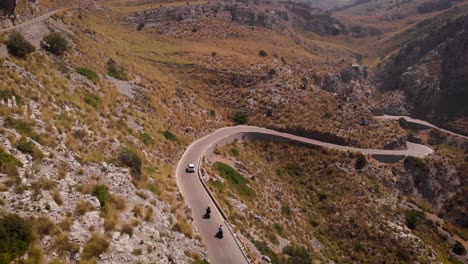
x,y
298,254
55,43
101,192
92,99
18,46
129,158
459,249
240,118
262,53
88,73
361,162
403,122
6,94
15,237
412,218
116,71
9,164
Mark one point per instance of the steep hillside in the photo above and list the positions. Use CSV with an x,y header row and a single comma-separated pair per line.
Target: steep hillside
x,y
338,206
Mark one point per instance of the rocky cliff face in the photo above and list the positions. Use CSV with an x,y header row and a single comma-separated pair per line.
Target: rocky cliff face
x,y
266,15
432,72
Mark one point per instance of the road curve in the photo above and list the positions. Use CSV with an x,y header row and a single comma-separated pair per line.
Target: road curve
x,y
419,122
226,250
34,20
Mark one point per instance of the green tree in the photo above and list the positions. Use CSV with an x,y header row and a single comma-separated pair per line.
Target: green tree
x,y
241,118
18,46
55,43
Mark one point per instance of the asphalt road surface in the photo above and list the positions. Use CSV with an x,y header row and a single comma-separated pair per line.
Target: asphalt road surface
x,y
226,250
420,122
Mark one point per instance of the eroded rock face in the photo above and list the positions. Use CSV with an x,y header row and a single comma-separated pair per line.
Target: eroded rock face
x,y
431,71
354,82
250,13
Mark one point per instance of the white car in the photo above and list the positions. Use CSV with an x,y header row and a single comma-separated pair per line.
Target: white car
x,y
190,168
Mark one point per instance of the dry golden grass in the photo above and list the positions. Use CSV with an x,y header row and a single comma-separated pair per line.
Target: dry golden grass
x,y
83,207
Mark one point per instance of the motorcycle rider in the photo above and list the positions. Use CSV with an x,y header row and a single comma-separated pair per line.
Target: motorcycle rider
x,y
208,212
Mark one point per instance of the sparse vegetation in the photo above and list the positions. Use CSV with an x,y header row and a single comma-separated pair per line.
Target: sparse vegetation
x,y
298,254
88,73
18,46
96,245
234,178
116,71
9,164
92,99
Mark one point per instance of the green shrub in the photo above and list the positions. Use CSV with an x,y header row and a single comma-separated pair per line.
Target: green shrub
x,y
454,260
267,251
55,43
18,46
92,99
101,192
22,127
6,94
412,218
25,146
298,254
240,118
28,147
129,158
293,169
169,136
9,164
146,139
262,53
322,195
235,179
88,73
15,237
234,152
286,210
116,71
361,162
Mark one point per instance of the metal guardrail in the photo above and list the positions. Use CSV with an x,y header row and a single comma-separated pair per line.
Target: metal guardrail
x,y
239,243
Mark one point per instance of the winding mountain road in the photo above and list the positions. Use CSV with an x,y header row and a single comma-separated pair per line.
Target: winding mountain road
x,y
419,122
227,250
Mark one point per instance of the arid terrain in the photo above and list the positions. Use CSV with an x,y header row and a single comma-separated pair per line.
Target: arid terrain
x,y
100,99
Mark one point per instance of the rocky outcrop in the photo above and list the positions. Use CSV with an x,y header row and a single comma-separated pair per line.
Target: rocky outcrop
x,y
249,13
437,180
353,82
316,20
431,70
